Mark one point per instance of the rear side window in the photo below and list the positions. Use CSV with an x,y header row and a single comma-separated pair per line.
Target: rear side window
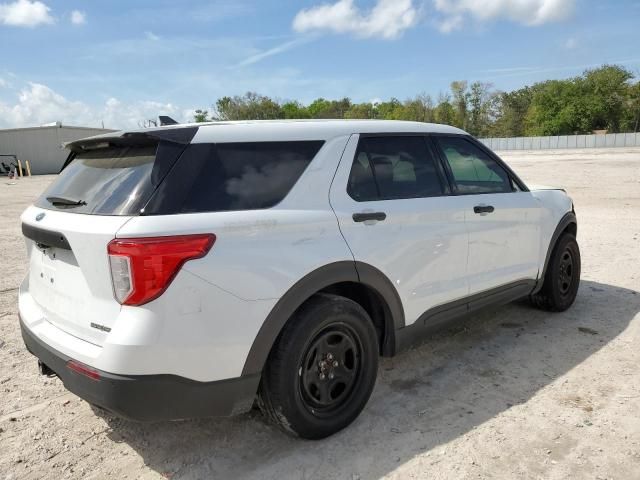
x,y
111,181
387,168
232,176
473,170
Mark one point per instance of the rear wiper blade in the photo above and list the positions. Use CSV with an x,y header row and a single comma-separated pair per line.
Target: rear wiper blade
x,y
67,202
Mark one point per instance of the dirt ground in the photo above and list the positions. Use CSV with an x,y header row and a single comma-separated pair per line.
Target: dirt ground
x,y
511,393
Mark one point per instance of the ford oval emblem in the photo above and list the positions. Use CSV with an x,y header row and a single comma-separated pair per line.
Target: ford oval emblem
x,y
40,216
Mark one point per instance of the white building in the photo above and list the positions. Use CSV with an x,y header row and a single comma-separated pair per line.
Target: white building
x,y
42,146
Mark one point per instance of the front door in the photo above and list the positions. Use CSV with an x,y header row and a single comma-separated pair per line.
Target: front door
x,y
503,221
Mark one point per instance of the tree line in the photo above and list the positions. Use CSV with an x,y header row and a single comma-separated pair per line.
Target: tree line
x,y
605,98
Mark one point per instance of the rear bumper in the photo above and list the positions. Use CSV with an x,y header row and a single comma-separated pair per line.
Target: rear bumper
x,y
149,397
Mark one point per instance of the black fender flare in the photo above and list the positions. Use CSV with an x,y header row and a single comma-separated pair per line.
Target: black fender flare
x,y
568,219
301,291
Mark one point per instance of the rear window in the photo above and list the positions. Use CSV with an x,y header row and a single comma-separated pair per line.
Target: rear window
x,y
232,176
111,181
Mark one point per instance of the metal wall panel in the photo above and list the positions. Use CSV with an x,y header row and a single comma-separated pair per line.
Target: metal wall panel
x,y
42,146
610,140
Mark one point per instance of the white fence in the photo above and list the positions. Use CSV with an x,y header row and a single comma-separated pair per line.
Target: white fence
x,y
610,140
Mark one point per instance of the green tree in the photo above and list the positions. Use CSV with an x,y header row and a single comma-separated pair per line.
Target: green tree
x,y
601,98
419,109
480,103
460,103
250,106
512,109
295,110
391,110
444,113
631,118
606,90
558,107
361,111
322,108
200,116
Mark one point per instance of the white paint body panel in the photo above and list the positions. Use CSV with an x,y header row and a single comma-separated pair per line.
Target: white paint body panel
x,y
554,204
74,288
504,246
204,324
434,250
421,247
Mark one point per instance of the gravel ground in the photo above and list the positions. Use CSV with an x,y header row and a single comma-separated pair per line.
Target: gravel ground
x,y
510,393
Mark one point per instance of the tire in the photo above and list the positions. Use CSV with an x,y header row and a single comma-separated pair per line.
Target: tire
x,y
322,369
562,278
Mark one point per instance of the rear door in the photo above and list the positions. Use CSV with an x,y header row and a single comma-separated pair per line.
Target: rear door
x,y
70,225
390,197
503,220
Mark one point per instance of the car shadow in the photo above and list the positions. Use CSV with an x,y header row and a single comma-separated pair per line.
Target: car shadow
x,y
430,395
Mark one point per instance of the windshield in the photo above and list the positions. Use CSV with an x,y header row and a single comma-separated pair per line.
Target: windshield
x,y
111,181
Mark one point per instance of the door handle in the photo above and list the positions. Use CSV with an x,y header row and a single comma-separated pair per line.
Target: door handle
x,y
366,216
483,209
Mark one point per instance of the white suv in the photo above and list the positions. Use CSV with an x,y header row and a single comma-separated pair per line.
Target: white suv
x,y
195,270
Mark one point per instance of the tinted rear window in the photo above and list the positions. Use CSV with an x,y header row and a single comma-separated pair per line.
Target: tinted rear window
x,y
232,176
113,181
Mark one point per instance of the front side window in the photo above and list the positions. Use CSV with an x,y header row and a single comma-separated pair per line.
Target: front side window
x,y
388,168
473,170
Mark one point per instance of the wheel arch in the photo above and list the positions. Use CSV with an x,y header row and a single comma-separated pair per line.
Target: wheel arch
x,y
568,223
347,278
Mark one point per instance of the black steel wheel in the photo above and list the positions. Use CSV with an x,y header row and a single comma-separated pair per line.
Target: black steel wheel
x,y
565,273
329,369
322,370
562,276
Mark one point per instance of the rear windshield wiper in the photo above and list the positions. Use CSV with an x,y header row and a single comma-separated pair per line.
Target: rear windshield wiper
x,y
66,202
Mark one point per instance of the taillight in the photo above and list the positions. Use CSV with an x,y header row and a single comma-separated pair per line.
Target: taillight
x,y
83,369
143,268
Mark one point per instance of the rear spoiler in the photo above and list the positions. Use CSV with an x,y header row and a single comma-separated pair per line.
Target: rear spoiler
x,y
180,135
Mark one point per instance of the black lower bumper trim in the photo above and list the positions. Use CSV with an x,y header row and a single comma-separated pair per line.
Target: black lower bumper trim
x,y
149,398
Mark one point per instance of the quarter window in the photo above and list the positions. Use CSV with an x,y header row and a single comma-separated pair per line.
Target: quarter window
x,y
473,171
387,168
232,176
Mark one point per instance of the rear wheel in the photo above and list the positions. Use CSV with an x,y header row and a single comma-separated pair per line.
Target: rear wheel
x,y
321,372
562,278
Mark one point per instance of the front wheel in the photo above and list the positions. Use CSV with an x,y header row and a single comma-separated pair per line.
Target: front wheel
x,y
322,370
562,278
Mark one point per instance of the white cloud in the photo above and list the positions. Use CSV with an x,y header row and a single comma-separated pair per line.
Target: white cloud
x,y
257,57
151,36
571,44
387,19
24,13
526,12
451,23
78,17
37,104
3,83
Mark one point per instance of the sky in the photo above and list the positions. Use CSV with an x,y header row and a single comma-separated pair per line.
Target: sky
x,y
118,63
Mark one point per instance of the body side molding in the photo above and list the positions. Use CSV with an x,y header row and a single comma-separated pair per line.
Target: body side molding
x,y
437,317
323,277
568,219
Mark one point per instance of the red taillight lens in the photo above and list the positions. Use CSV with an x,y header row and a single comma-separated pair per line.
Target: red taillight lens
x,y
143,268
83,369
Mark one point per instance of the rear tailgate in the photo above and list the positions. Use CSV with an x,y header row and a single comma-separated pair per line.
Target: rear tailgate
x,y
69,276
68,229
